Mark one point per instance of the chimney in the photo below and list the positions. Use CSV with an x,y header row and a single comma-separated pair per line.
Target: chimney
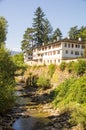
x,y
79,39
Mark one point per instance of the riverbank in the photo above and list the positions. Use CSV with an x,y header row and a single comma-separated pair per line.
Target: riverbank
x,y
38,107
34,105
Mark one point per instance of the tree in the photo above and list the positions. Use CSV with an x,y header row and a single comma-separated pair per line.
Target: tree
x,y
39,33
57,33
18,59
27,39
38,25
7,81
73,33
83,33
3,30
47,31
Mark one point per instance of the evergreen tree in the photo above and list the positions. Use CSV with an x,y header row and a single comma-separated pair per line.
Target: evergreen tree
x,y
57,33
47,31
38,25
73,32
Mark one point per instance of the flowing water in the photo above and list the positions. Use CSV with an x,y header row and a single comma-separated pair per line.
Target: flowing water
x,y
35,116
24,123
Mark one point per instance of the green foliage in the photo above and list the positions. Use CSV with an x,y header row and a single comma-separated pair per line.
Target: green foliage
x,y
39,33
19,62
71,90
18,59
70,66
38,25
75,33
7,82
27,41
57,33
72,94
62,66
80,67
7,98
3,30
7,67
47,31
43,82
52,68
78,115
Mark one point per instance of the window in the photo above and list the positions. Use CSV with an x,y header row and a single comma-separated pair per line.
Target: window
x,y
66,51
42,49
76,53
49,47
58,52
76,45
83,46
69,45
45,48
72,45
71,52
65,45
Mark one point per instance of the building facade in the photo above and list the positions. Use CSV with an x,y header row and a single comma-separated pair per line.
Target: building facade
x,y
55,53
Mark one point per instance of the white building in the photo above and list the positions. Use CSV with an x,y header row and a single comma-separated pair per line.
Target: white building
x,y
56,52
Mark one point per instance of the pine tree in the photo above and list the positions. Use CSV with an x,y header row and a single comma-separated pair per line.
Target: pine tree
x,y
38,25
57,33
47,31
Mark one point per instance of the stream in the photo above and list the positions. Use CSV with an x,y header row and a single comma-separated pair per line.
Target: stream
x,y
32,116
34,112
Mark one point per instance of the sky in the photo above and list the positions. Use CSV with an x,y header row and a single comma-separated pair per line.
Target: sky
x,y
62,14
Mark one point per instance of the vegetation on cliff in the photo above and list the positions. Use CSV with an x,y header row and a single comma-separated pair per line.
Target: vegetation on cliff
x,y
70,87
71,96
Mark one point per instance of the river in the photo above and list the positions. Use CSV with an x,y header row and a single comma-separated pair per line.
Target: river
x,y
32,114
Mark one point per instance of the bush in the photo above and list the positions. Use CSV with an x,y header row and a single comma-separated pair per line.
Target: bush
x,y
7,99
78,115
71,96
72,90
62,66
80,67
70,66
43,82
7,82
52,68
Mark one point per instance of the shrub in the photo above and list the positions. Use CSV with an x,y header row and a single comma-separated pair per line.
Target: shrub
x,y
7,99
78,115
80,67
71,96
43,82
62,66
52,68
7,82
70,66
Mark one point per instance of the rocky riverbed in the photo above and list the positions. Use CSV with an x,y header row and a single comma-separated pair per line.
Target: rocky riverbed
x,y
35,108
